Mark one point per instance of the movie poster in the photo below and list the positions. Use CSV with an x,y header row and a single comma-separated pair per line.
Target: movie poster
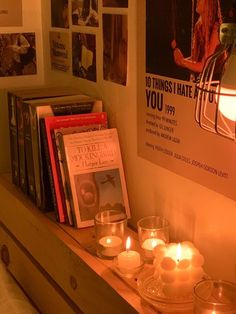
x,y
174,53
11,13
59,51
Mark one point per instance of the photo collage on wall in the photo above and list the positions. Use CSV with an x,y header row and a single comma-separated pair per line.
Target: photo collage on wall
x,y
17,50
81,20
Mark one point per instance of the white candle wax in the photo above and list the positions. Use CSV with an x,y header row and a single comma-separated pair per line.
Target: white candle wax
x,y
110,245
128,260
179,267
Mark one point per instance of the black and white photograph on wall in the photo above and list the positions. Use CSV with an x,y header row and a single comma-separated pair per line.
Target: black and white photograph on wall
x,y
11,13
115,46
59,13
84,56
84,12
59,51
115,3
17,54
180,47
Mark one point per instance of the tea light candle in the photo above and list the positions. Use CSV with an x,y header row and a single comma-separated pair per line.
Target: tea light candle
x,y
149,244
110,245
179,266
128,260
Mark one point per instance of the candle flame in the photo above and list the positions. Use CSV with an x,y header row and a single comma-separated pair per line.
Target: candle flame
x,y
108,240
128,243
179,252
152,234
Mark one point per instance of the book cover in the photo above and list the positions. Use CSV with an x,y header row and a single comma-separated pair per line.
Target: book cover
x,y
95,174
55,122
57,138
16,125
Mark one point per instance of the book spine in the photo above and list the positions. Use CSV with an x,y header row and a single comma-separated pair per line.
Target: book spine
x,y
48,173
36,154
61,177
21,146
68,190
13,139
28,151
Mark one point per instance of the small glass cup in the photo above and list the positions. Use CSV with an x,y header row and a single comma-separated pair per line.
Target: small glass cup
x,y
214,297
152,231
110,228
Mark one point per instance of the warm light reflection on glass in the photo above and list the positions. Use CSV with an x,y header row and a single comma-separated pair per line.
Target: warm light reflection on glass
x,y
227,104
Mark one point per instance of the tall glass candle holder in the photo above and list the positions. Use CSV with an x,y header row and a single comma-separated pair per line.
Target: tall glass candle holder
x,y
215,297
110,230
152,231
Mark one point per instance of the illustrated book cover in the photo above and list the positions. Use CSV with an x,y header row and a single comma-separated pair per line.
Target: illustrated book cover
x,y
95,174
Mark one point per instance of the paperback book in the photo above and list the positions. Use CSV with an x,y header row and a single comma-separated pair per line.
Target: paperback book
x,y
54,128
95,175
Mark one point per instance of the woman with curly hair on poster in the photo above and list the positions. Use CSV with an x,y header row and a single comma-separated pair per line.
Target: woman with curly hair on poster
x,y
205,37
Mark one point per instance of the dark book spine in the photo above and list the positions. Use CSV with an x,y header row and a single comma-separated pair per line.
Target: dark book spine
x,y
28,151
49,197
13,139
21,146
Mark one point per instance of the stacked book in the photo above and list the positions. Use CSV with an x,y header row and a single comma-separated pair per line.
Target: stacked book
x,y
63,155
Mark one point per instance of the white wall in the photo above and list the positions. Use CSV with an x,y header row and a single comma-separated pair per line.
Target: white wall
x,y
195,212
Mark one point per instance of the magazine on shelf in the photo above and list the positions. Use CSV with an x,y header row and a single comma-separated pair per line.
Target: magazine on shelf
x,y
33,110
61,125
95,175
16,126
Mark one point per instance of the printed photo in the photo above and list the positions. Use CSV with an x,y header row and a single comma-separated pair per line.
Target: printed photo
x,y
180,47
59,51
11,13
17,54
115,3
84,56
59,13
115,45
84,12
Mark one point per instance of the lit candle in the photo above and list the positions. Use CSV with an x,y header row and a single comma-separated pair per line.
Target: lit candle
x,y
110,246
129,259
179,267
149,245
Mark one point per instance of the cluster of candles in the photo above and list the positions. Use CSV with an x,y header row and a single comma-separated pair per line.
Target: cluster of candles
x,y
177,266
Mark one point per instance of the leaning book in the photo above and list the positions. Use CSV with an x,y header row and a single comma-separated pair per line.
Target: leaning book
x,y
95,174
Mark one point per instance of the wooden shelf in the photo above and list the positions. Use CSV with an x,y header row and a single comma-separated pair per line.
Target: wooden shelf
x,y
56,264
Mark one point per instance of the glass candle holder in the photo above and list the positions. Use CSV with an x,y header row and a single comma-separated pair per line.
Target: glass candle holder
x,y
214,297
110,228
152,231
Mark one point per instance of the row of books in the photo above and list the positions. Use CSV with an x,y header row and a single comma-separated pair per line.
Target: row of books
x,y
63,155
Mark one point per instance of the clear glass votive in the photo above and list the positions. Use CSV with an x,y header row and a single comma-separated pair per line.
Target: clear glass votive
x,y
214,297
110,228
152,231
